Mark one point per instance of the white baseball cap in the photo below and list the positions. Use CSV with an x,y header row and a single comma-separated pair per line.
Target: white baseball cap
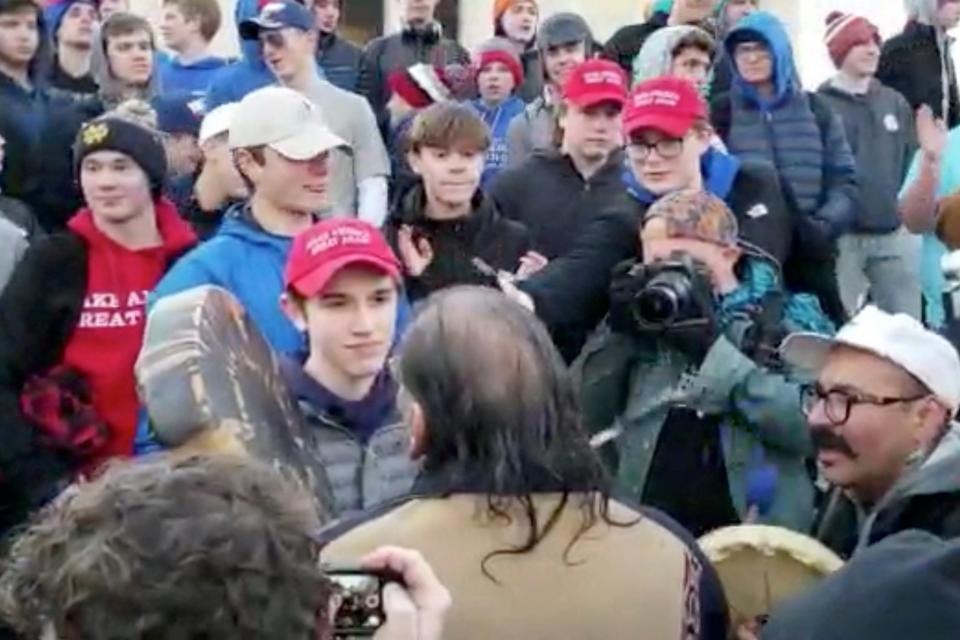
x,y
216,122
283,120
898,338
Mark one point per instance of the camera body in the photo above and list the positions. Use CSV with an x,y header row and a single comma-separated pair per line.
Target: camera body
x,y
664,296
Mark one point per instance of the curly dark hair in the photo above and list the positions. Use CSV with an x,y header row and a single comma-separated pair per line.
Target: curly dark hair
x,y
189,549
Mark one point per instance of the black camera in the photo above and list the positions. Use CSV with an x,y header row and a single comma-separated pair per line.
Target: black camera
x,y
656,297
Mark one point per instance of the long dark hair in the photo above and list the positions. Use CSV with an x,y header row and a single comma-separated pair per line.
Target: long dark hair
x,y
501,410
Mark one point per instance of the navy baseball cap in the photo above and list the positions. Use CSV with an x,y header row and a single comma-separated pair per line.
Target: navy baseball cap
x,y
277,15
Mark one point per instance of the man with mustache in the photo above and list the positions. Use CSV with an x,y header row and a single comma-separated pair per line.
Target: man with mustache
x,y
881,416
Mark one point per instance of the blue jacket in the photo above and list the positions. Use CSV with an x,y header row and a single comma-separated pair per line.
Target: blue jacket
x,y
814,161
498,119
191,79
248,262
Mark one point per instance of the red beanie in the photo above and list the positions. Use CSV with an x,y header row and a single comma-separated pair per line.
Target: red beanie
x,y
845,31
510,60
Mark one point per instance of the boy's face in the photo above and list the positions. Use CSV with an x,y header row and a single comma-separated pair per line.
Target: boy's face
x,y
560,61
450,176
738,9
754,62
19,37
662,164
110,7
183,154
300,186
350,325
76,28
218,161
863,59
948,15
288,51
593,132
519,22
176,30
418,11
130,57
692,64
327,15
495,83
114,187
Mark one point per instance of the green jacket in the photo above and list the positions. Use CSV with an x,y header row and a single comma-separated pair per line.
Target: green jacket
x,y
629,384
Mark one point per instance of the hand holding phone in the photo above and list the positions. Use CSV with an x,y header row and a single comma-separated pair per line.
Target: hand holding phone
x,y
357,602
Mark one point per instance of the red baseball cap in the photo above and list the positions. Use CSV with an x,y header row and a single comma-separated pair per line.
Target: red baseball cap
x,y
320,252
596,81
667,104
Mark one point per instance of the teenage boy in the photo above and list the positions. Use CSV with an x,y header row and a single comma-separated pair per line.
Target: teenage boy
x,y
767,117
342,290
124,68
218,185
72,316
919,61
668,149
285,162
554,194
516,21
338,57
23,103
358,180
188,27
564,41
420,40
726,16
71,25
683,52
445,229
499,75
880,255
626,43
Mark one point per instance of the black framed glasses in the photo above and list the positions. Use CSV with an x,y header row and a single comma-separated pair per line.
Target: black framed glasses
x,y
838,403
751,49
667,148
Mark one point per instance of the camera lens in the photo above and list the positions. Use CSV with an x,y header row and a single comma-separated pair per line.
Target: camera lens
x,y
657,305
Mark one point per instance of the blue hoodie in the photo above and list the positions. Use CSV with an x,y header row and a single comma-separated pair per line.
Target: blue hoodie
x,y
813,159
498,119
232,82
191,79
248,262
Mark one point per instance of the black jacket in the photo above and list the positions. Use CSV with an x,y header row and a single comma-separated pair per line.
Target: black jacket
x,y
340,60
533,75
911,64
571,293
34,330
399,51
483,234
626,43
552,200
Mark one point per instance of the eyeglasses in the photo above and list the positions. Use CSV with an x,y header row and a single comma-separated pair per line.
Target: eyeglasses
x,y
667,148
275,39
837,404
747,49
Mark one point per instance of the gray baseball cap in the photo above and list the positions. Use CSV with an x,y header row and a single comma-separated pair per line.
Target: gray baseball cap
x,y
563,28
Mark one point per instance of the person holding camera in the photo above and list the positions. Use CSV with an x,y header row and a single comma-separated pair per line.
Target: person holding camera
x,y
685,381
669,149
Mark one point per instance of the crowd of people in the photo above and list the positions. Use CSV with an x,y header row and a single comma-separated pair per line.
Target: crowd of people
x,y
551,310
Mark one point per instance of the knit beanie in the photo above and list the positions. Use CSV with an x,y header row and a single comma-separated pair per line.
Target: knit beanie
x,y
54,12
113,133
845,31
499,50
420,85
500,7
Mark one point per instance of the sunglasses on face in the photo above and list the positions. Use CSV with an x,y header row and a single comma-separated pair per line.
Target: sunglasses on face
x,y
275,39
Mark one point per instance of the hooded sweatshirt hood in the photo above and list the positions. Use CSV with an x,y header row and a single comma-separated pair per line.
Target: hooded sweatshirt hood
x,y
767,28
939,473
112,90
656,56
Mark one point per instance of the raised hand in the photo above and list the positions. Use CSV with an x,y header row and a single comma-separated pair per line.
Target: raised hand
x,y
416,254
530,264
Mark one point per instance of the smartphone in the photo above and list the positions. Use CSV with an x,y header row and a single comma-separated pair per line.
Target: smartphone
x,y
357,600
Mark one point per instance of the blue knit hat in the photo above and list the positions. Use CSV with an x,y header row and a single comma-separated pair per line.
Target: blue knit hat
x,y
54,12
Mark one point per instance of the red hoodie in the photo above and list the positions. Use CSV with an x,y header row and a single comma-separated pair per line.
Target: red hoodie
x,y
105,344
